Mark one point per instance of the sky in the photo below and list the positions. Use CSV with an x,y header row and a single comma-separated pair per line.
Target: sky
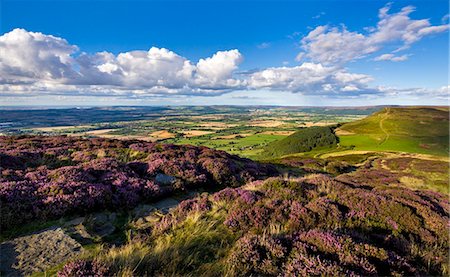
x,y
299,53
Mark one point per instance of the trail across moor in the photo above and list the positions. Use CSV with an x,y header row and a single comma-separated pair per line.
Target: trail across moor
x,y
382,128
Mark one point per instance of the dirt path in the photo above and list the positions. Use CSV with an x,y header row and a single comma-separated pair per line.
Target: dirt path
x,y
382,128
37,252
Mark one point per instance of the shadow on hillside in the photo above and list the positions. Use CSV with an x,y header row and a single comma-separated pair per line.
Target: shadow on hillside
x,y
8,257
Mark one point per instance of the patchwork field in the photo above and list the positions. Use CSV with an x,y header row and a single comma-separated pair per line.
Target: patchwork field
x,y
237,130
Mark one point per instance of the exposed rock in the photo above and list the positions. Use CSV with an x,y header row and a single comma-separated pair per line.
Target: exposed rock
x,y
165,204
101,224
37,252
142,210
144,215
75,221
165,180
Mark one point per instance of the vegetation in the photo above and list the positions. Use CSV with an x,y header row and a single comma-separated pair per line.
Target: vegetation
x,y
86,175
308,226
413,129
237,130
303,140
369,198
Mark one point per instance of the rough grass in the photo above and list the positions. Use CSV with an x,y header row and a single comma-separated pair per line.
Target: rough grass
x,y
294,227
413,129
194,247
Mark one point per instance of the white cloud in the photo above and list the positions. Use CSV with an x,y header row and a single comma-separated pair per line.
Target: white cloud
x,y
332,45
335,46
442,93
34,61
391,57
37,64
319,15
218,69
26,56
264,45
310,78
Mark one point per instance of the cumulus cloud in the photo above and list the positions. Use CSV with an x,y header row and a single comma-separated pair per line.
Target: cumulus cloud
x,y
27,56
218,69
35,61
310,78
333,45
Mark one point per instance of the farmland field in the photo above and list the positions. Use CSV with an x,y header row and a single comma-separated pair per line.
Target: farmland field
x,y
237,130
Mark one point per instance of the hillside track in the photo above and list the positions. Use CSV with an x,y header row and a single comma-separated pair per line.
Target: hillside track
x,y
386,115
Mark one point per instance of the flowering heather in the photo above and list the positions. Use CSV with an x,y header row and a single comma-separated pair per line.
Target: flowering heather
x,y
328,227
84,268
357,224
372,176
257,255
237,194
194,205
49,177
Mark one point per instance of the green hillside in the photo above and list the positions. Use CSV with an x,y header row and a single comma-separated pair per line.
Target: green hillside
x,y
304,140
422,130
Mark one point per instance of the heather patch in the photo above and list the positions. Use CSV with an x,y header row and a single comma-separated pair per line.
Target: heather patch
x,y
315,225
49,177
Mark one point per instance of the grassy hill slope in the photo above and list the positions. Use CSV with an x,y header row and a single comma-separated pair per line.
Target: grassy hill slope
x,y
304,140
414,129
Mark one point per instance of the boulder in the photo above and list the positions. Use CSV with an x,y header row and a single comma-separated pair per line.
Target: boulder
x,y
165,180
37,252
101,224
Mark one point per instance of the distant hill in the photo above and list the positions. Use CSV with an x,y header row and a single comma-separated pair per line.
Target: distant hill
x,y
304,140
407,129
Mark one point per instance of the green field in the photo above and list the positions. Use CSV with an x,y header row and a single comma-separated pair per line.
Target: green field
x,y
413,130
249,146
244,131
247,131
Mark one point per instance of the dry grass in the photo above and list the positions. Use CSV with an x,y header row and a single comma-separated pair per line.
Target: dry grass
x,y
266,123
217,125
413,182
341,132
188,248
233,136
99,132
310,123
195,133
163,134
60,128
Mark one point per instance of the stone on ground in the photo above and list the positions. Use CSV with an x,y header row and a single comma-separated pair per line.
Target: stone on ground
x,y
37,252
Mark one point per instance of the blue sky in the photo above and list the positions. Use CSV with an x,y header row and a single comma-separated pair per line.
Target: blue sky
x,y
267,37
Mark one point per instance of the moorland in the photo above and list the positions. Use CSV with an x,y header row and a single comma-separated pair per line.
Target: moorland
x,y
225,191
